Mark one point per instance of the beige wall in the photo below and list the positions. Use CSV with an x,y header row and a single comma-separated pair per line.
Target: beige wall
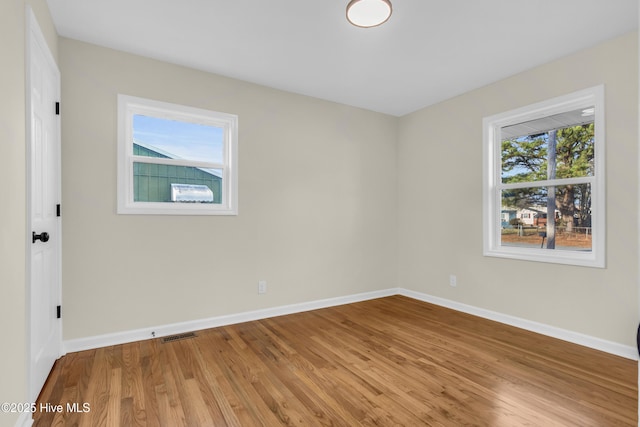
x,y
319,198
317,211
13,233
12,221
440,188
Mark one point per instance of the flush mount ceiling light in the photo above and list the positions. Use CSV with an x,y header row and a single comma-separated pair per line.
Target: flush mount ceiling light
x,y
368,13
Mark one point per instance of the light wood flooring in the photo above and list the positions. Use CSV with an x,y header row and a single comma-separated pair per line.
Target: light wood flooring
x,y
386,362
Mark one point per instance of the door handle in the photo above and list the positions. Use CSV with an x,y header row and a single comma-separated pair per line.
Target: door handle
x,y
43,237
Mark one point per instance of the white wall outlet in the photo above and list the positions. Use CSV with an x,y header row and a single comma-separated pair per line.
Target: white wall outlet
x,y
262,287
453,280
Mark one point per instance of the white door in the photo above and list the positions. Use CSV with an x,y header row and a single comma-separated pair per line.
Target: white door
x,y
43,187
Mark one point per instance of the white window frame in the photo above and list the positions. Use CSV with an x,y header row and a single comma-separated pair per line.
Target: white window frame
x,y
128,106
493,186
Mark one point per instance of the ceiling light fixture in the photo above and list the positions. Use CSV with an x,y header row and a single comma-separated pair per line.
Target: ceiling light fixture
x,y
368,13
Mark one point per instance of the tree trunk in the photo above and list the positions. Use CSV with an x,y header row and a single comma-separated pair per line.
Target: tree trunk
x,y
567,206
551,192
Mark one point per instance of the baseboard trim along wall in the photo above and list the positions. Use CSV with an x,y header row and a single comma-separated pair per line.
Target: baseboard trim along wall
x,y
625,351
88,343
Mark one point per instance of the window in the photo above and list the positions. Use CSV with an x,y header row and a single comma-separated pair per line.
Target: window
x,y
175,160
543,195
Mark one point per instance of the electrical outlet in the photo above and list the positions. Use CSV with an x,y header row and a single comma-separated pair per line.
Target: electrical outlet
x,y
453,280
262,287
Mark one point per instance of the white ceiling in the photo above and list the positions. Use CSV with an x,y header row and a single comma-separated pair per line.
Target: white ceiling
x,y
429,51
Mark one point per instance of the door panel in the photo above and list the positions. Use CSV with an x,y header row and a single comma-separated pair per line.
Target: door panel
x,y
43,146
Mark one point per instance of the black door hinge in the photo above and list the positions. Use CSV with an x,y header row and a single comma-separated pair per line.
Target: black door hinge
x,y
58,312
57,108
57,210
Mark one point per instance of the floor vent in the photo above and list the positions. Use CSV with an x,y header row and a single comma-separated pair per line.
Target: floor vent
x,y
172,338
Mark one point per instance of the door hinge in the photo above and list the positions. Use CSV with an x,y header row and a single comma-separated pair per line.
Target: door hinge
x,y
58,210
58,312
57,108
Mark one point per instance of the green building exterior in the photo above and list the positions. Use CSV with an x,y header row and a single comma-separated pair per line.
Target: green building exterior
x,y
152,182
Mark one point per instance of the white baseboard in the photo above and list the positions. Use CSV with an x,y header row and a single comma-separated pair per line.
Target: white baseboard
x,y
628,352
89,343
98,341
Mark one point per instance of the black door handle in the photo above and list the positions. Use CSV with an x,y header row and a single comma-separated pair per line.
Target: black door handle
x,y
43,237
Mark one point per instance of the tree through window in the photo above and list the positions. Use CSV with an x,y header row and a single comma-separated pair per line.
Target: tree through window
x,y
544,181
556,154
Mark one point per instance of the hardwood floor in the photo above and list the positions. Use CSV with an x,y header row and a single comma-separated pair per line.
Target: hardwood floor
x,y
386,362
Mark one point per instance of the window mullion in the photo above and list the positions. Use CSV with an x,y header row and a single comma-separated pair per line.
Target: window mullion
x,y
547,183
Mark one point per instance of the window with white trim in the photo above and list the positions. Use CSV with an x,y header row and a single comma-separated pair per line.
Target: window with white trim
x,y
543,186
176,160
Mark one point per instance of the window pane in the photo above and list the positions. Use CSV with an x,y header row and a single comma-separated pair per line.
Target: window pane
x,y
156,137
528,148
524,159
166,183
524,217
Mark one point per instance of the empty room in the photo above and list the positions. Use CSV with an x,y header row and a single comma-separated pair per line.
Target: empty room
x,y
239,213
